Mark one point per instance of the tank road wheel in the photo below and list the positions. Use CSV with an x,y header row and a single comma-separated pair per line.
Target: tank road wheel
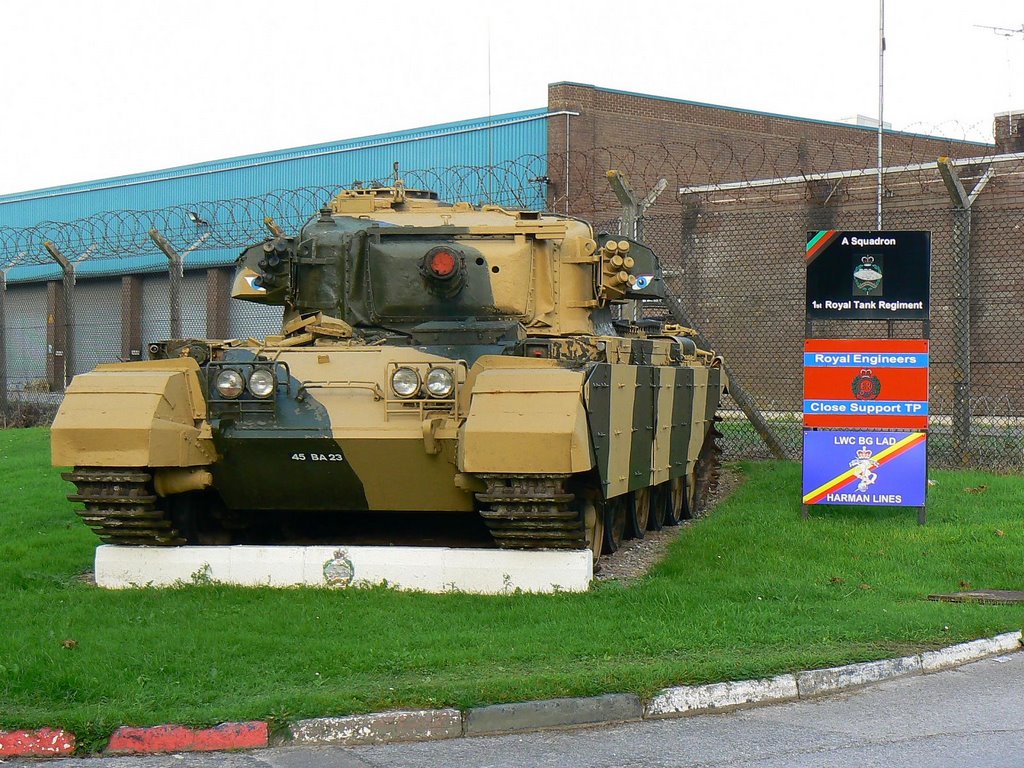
x,y
639,505
593,528
661,495
675,507
704,480
615,512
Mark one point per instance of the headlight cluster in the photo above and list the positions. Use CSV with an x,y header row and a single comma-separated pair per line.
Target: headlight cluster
x,y
439,382
231,384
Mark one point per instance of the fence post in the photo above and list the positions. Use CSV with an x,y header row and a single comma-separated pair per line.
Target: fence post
x,y
131,318
962,202
175,274
4,403
218,298
60,322
633,210
962,334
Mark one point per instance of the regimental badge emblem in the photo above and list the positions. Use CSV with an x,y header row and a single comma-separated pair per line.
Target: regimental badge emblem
x,y
867,276
338,571
866,386
862,467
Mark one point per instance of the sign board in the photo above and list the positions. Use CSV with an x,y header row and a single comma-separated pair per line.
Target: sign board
x,y
866,383
867,275
884,469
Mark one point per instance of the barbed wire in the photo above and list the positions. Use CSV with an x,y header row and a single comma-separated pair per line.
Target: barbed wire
x,y
713,164
238,222
575,182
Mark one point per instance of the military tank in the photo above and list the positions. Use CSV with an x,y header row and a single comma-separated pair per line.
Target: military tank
x,y
433,357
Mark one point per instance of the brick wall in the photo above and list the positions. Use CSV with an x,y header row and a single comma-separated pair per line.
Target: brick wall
x,y
691,143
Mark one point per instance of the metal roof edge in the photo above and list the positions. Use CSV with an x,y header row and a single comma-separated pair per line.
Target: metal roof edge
x,y
290,153
776,115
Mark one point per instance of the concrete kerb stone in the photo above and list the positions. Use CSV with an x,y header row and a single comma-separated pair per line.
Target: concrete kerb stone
x,y
955,655
715,697
128,740
553,713
42,742
378,727
816,682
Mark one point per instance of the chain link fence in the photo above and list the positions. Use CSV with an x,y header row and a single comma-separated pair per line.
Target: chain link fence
x,y
734,269
739,277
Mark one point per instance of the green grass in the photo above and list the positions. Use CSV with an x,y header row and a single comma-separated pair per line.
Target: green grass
x,y
751,591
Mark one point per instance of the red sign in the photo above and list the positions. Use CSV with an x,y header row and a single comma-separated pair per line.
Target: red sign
x,y
866,383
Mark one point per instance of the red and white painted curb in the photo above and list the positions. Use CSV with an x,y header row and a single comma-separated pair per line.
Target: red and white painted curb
x,y
420,725
45,742
177,738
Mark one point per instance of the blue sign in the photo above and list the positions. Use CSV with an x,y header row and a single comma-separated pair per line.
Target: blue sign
x,y
870,359
869,408
881,469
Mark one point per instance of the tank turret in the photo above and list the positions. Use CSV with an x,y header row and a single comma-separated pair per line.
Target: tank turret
x,y
393,260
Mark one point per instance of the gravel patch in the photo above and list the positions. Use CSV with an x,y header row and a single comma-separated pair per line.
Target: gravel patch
x,y
637,556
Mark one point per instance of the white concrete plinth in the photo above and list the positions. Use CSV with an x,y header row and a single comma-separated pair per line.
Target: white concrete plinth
x,y
427,569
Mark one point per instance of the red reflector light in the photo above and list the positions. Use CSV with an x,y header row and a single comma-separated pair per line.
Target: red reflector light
x,y
442,263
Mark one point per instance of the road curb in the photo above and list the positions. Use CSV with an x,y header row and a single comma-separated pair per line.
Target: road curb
x,y
816,682
715,697
43,742
378,727
553,713
128,740
955,655
432,724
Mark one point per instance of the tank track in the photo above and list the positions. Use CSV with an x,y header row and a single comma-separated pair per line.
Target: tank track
x,y
120,507
531,512
709,471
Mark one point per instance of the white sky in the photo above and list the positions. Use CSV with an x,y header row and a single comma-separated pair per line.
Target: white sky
x,y
96,88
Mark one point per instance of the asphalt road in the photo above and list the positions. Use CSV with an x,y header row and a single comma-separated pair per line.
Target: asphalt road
x,y
971,716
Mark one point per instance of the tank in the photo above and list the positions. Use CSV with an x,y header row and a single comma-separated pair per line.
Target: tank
x,y
433,358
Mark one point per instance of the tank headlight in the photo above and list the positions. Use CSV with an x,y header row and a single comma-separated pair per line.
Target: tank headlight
x,y
405,382
440,382
261,383
230,383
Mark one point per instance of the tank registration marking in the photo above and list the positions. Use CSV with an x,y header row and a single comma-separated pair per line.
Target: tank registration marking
x,y
317,457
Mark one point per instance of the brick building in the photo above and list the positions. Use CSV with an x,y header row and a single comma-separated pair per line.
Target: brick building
x,y
691,143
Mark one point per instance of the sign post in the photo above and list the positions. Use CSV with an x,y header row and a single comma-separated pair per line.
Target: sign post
x,y
856,388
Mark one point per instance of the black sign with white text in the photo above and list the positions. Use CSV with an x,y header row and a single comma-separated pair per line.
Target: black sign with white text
x,y
868,275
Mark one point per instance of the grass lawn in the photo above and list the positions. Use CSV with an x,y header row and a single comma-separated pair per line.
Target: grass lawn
x,y
751,591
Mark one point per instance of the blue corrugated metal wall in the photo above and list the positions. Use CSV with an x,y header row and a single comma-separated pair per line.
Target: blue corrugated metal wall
x,y
476,142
